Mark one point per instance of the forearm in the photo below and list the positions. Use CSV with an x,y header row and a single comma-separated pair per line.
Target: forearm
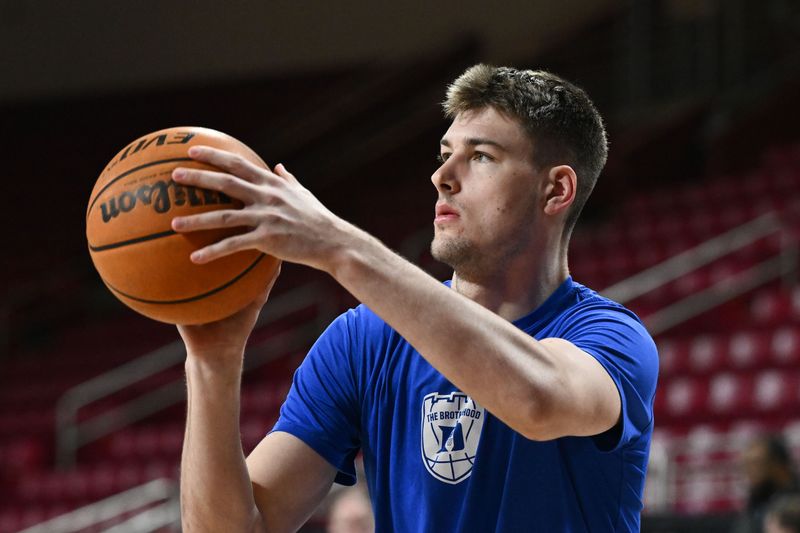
x,y
216,492
499,366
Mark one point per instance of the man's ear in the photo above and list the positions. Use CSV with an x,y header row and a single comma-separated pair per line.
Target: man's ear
x,y
562,185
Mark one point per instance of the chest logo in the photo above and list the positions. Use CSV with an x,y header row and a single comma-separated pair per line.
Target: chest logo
x,y
451,431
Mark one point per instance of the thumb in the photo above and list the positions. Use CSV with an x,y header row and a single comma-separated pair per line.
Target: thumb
x,y
280,170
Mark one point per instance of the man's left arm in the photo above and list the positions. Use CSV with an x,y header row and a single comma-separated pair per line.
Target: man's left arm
x,y
542,389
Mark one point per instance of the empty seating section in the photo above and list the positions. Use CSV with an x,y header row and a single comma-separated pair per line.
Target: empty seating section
x,y
734,373
723,378
658,224
36,491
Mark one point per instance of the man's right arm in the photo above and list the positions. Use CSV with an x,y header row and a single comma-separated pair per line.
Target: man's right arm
x,y
283,480
275,489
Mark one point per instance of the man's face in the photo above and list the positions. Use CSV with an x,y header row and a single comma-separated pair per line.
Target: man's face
x,y
489,193
756,464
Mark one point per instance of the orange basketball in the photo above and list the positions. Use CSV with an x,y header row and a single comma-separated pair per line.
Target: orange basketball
x,y
138,255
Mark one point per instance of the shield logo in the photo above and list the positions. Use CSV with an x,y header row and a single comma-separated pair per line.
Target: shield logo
x,y
451,431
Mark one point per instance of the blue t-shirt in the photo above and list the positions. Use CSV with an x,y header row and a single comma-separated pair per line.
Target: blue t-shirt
x,y
436,461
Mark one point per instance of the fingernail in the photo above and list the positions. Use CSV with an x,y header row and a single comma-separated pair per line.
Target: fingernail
x,y
179,173
177,223
195,151
196,256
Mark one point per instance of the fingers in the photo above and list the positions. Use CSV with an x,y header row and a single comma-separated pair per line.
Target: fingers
x,y
240,178
229,162
281,171
224,218
216,181
224,247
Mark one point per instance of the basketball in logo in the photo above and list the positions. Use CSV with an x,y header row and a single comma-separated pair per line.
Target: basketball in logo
x,y
451,431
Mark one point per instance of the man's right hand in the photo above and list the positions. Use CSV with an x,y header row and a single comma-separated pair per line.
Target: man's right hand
x,y
224,341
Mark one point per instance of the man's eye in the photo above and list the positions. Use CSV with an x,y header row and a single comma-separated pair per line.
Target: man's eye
x,y
482,157
441,158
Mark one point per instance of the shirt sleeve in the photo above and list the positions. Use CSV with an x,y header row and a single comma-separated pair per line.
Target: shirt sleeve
x,y
321,408
620,343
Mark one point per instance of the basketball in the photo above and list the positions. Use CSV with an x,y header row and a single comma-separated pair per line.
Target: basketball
x,y
146,264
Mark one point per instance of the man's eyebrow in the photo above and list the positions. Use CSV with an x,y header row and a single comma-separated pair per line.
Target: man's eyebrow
x,y
475,141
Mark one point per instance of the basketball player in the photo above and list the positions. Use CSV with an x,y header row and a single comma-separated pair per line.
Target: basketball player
x,y
510,399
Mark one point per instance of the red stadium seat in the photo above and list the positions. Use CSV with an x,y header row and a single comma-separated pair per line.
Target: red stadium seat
x,y
730,394
776,391
706,354
785,346
773,306
748,349
685,396
673,357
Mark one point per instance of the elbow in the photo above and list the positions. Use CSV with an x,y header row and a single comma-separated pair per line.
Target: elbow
x,y
542,418
538,423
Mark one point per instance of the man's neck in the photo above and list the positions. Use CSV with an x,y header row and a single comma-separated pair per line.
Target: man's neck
x,y
515,290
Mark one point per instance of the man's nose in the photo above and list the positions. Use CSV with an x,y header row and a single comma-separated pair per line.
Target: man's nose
x,y
445,177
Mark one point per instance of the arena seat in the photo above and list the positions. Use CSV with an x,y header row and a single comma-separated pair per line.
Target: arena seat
x,y
748,349
785,346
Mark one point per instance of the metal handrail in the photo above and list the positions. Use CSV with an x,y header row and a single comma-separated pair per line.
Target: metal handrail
x,y
104,510
693,258
783,265
717,294
153,519
71,434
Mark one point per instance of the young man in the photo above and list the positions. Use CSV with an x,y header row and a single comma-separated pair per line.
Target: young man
x,y
511,399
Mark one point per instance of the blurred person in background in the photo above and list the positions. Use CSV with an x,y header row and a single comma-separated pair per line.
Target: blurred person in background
x,y
783,516
351,511
770,475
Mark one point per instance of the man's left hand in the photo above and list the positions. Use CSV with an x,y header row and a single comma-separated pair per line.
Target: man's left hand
x,y
284,219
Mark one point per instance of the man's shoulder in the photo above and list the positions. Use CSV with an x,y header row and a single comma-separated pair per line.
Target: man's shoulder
x,y
363,316
361,322
588,302
591,319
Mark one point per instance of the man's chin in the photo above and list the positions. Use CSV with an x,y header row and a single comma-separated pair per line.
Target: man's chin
x,y
450,253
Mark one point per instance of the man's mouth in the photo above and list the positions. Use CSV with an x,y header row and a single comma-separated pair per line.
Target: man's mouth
x,y
445,212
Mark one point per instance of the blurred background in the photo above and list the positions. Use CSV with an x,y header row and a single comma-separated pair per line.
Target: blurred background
x,y
694,223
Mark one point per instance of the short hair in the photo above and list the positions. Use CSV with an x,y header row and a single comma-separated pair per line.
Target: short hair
x,y
559,117
777,450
